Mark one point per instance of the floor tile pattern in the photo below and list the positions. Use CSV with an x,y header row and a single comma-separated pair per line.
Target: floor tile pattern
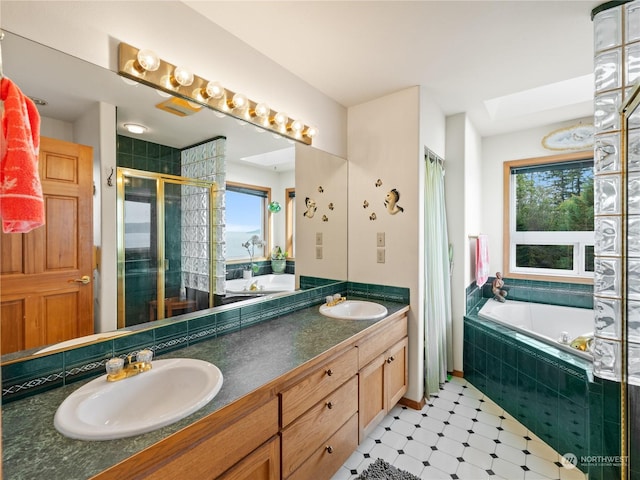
x,y
460,434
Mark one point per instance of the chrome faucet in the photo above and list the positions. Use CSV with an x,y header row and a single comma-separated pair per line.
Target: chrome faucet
x,y
119,369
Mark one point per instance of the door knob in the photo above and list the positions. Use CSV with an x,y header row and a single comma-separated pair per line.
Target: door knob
x,y
84,280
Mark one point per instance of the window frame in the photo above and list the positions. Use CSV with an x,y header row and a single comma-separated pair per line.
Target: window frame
x,y
266,219
290,205
511,238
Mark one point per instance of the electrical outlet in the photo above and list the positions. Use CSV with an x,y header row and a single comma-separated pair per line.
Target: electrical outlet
x,y
319,238
318,253
381,255
380,239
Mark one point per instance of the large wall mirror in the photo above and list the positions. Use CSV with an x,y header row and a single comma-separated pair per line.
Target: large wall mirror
x,y
253,158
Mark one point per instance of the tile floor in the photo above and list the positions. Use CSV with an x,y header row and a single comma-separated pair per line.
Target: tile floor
x,y
459,434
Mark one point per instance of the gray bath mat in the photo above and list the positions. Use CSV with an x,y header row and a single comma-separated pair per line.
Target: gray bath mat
x,y
381,470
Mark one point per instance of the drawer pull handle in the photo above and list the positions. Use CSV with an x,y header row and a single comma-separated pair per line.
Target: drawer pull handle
x,y
329,372
329,449
329,405
390,359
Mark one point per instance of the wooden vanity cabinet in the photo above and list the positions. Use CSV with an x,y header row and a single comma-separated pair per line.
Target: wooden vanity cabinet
x,y
211,446
383,374
263,464
304,425
319,432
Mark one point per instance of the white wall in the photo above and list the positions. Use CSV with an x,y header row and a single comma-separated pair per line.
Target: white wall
x,y
386,142
321,177
495,151
463,192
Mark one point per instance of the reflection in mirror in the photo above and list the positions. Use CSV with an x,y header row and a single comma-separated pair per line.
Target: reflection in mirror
x,y
252,157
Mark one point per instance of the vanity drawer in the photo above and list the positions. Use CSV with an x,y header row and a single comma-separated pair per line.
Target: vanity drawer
x,y
317,385
331,455
376,344
310,431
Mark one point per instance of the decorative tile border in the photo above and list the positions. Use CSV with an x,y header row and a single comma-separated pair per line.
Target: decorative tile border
x,y
25,378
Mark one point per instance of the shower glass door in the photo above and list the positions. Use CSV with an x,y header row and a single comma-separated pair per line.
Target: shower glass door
x,y
164,246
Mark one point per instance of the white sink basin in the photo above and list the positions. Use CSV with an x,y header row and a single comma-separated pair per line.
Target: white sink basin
x,y
170,391
355,310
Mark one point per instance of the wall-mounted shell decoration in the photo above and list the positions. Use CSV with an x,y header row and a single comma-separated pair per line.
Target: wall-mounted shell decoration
x,y
311,207
320,189
372,216
378,183
391,202
365,204
331,206
325,218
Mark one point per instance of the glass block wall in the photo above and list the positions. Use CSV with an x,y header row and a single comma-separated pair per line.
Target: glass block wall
x,y
616,70
204,162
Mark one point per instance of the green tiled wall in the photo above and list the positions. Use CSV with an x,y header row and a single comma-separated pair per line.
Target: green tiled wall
x,y
147,156
29,377
553,293
548,391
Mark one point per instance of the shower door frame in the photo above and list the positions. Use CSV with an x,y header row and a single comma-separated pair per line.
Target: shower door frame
x,y
161,179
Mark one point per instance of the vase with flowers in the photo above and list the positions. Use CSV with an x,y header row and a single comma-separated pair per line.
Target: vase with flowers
x,y
278,260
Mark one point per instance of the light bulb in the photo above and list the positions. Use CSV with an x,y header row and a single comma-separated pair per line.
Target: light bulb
x,y
182,76
297,126
239,101
214,90
281,119
148,60
311,131
262,110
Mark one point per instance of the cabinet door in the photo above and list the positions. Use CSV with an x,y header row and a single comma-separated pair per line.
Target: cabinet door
x,y
372,403
396,375
263,464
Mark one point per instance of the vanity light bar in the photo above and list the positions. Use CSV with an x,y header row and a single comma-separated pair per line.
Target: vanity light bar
x,y
162,75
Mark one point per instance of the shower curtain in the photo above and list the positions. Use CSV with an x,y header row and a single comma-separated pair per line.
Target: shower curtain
x,y
437,298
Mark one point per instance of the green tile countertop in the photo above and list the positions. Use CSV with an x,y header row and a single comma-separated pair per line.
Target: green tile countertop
x,y
250,358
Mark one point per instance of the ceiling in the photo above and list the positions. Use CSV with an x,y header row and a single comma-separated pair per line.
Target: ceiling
x,y
509,65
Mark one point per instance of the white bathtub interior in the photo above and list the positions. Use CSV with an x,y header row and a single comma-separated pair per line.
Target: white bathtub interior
x,y
262,284
544,322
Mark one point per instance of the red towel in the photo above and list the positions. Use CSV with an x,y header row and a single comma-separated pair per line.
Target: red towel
x,y
482,260
21,202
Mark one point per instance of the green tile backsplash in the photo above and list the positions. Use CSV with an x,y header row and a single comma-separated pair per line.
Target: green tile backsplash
x,y
28,377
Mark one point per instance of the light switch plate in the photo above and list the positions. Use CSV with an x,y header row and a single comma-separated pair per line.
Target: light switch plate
x,y
381,255
318,238
380,239
318,253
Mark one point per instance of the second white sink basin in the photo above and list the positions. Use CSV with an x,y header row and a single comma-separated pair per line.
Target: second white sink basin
x,y
170,391
355,310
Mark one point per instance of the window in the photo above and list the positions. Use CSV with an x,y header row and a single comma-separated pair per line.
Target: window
x,y
550,210
246,216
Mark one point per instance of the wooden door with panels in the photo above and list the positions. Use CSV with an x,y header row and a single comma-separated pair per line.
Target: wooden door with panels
x,y
46,293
